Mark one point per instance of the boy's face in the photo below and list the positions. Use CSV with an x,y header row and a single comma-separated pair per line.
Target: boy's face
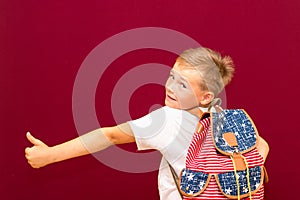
x,y
183,89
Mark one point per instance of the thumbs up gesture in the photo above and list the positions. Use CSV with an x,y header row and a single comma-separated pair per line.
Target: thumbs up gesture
x,y
39,154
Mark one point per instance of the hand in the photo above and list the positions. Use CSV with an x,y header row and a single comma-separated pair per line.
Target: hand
x,y
39,154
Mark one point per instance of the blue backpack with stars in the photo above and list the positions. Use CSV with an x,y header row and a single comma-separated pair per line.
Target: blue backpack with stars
x,y
234,134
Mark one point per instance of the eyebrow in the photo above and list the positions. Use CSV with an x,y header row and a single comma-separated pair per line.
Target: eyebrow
x,y
182,77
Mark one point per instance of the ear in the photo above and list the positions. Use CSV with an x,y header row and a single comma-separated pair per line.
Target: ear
x,y
207,98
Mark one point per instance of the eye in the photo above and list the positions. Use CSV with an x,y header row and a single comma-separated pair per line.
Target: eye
x,y
171,76
183,85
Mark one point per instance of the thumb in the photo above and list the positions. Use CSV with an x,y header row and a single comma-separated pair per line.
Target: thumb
x,y
33,140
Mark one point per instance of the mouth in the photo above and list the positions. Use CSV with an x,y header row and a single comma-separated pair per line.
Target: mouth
x,y
169,97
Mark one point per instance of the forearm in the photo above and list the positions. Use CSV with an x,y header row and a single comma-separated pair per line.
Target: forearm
x,y
88,143
40,154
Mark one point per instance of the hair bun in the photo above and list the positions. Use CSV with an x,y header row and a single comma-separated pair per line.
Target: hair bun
x,y
225,64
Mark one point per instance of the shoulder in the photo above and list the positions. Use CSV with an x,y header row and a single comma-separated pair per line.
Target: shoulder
x,y
162,114
163,119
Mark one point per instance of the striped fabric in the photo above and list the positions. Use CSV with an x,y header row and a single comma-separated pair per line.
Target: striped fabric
x,y
202,156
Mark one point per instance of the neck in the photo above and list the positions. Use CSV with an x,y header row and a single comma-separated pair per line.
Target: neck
x,y
197,111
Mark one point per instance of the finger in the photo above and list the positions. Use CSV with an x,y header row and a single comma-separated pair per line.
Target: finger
x,y
27,150
33,140
34,165
30,137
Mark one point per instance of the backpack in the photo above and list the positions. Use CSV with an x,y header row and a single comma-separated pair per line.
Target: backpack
x,y
234,134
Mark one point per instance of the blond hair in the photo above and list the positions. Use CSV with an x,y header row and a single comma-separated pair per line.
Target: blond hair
x,y
216,71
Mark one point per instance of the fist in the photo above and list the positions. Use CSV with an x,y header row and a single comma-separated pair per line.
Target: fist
x,y
39,154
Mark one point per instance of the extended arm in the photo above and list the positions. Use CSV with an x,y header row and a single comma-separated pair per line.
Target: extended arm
x,y
40,154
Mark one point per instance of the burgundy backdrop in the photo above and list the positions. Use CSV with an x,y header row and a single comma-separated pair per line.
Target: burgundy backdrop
x,y
43,44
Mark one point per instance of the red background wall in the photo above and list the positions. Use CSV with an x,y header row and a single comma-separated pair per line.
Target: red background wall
x,y
43,43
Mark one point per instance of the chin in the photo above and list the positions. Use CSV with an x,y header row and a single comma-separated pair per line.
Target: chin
x,y
171,105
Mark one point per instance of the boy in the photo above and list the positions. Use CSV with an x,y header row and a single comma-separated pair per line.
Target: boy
x,y
195,80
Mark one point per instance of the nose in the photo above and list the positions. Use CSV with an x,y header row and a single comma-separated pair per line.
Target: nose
x,y
170,86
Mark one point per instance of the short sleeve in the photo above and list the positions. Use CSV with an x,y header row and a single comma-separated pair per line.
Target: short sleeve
x,y
156,130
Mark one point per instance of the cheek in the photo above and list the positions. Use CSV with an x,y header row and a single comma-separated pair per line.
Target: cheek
x,y
188,100
170,84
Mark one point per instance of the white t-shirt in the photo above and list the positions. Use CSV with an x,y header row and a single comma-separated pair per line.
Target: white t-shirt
x,y
169,131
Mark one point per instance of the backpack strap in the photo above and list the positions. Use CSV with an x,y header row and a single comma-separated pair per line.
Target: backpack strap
x,y
216,103
175,178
